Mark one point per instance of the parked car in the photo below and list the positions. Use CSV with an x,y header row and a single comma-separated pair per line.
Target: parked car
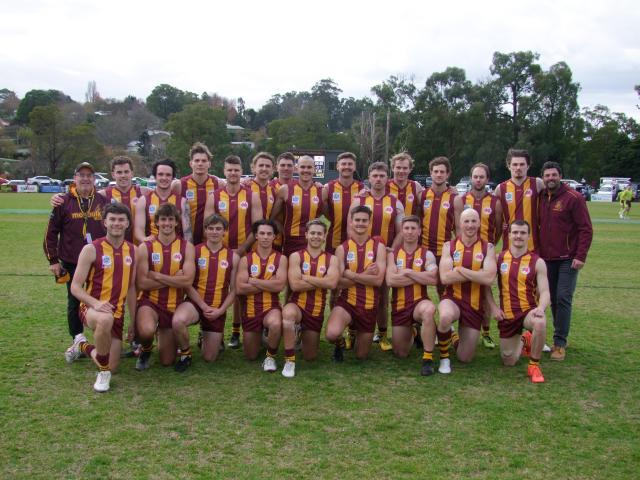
x,y
101,180
14,184
490,186
608,189
571,183
463,187
41,180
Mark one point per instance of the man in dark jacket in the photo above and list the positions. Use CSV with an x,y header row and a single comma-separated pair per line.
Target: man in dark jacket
x,y
565,238
72,225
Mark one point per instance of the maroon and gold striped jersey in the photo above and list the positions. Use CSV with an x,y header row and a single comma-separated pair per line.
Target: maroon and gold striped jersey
x,y
153,203
520,203
196,195
267,196
301,206
403,297
277,184
165,259
407,196
357,258
517,283
383,218
471,257
111,274
236,209
339,199
263,269
129,198
213,274
486,208
438,219
312,301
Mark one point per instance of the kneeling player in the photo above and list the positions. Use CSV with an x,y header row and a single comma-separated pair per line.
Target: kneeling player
x,y
165,268
410,268
312,272
107,266
212,293
262,275
363,260
468,265
522,274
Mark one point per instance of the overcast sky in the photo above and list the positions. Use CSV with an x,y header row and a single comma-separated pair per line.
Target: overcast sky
x,y
254,49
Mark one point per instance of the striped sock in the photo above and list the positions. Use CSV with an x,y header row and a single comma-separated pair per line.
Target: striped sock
x,y
290,354
444,340
533,361
340,341
87,348
235,329
272,352
427,356
455,339
485,330
185,353
147,347
103,362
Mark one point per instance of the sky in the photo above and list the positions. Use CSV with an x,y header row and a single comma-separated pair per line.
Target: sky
x,y
255,49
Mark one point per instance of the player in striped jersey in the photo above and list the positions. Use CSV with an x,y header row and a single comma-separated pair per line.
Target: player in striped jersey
x,y
312,272
212,293
490,210
262,166
146,228
285,166
197,187
165,268
107,266
337,196
410,268
363,264
519,196
241,207
300,202
262,275
386,224
468,265
405,190
524,296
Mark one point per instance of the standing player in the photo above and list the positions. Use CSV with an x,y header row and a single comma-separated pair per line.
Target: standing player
x,y
524,296
410,268
107,266
363,262
386,223
565,238
519,196
437,210
337,197
285,165
490,210
212,293
166,267
240,207
262,167
405,190
625,197
312,272
301,202
262,275
197,187
73,224
468,265
146,228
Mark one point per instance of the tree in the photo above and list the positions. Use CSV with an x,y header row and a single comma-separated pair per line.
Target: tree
x,y
8,103
165,100
198,122
38,98
327,92
92,95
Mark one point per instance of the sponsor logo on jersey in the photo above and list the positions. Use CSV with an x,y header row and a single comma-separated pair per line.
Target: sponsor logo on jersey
x,y
370,255
224,264
176,257
244,205
400,263
525,270
466,206
255,269
508,197
134,200
336,196
315,199
456,256
504,267
410,197
271,268
446,205
113,200
152,209
295,199
418,262
479,257
128,260
106,261
190,194
202,262
222,205
156,258
388,209
306,267
487,210
351,257
270,198
528,192
427,204
322,269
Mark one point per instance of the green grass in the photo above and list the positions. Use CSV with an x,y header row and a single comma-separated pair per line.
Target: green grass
x,y
356,420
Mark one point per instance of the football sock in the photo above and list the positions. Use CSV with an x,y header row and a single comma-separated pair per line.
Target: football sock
x,y
272,352
289,354
427,355
236,329
455,339
185,353
87,348
103,362
534,361
444,340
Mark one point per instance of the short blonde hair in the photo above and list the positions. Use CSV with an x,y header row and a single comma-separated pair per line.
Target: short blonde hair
x,y
402,156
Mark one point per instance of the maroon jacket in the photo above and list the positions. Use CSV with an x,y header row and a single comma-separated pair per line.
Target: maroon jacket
x,y
565,225
65,237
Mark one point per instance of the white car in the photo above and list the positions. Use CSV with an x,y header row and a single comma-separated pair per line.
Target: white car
x,y
607,190
42,180
463,188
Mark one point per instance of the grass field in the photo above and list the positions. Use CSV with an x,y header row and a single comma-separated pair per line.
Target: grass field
x,y
373,419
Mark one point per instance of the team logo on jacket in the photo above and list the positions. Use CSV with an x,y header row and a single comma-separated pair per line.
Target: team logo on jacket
x,y
190,195
410,197
306,267
388,209
106,261
427,204
528,192
525,270
336,196
244,205
295,199
156,258
315,199
456,256
271,268
487,210
222,206
351,257
479,257
508,197
446,205
255,270
504,267
418,262
176,257
152,209
370,255
128,260
322,269
400,263
224,264
202,262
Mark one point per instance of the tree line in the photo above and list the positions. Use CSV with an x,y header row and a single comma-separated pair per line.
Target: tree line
x,y
519,104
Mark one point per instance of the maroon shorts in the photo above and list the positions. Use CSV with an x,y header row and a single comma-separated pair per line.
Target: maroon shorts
x,y
404,317
293,244
116,329
310,322
468,316
511,328
206,325
165,317
255,324
362,320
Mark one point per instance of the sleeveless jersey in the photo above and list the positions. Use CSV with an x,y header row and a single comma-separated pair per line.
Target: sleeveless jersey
x,y
383,218
486,208
407,196
196,195
263,269
437,219
276,184
339,200
520,203
404,297
166,259
153,203
213,274
357,258
312,301
301,206
517,283
267,196
111,274
236,209
130,198
471,257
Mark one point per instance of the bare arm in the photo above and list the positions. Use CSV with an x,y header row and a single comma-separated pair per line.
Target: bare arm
x,y
183,278
243,287
487,274
186,220
397,241
140,220
374,273
176,187
498,216
544,299
296,283
330,280
494,309
447,275
278,205
429,276
276,283
343,281
86,258
325,201
143,279
458,206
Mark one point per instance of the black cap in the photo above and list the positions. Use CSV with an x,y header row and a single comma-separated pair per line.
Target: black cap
x,y
85,165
